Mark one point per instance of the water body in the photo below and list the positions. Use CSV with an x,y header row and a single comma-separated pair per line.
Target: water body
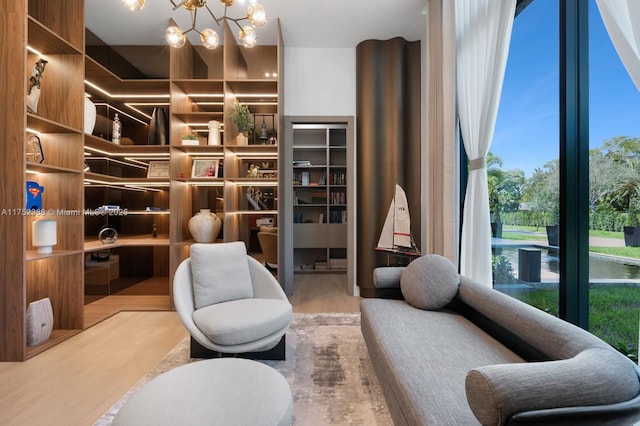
x,y
600,267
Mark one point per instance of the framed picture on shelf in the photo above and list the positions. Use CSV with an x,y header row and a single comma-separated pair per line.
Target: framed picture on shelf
x,y
158,169
204,168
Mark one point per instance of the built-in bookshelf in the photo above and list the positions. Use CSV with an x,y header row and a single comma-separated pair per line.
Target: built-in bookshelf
x,y
30,31
319,151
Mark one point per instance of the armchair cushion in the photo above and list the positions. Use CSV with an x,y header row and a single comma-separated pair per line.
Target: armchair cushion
x,y
243,321
228,278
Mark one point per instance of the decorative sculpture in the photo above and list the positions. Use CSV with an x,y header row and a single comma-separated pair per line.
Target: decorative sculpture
x,y
33,94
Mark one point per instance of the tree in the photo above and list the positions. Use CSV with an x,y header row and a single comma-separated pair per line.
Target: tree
x,y
623,149
510,190
542,193
494,180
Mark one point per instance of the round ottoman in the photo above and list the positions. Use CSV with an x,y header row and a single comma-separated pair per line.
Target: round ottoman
x,y
222,391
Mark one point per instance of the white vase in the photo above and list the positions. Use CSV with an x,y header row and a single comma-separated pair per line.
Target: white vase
x,y
44,235
205,226
89,116
214,132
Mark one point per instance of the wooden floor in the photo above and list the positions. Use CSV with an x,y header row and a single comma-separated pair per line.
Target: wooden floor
x,y
75,382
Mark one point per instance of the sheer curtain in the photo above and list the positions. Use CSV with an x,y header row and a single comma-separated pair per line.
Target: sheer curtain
x,y
483,33
622,20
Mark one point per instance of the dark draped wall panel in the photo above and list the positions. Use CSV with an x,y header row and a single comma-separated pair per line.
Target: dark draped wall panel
x,y
388,144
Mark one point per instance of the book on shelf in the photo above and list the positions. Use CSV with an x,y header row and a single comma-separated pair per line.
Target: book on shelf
x,y
320,265
301,163
305,178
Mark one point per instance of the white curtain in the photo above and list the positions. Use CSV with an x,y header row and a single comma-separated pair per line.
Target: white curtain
x,y
622,20
483,33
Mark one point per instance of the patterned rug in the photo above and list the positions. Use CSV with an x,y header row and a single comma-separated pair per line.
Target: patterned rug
x,y
328,369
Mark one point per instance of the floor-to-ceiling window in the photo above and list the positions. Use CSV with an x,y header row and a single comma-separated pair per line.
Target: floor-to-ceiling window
x,y
523,166
567,150
614,193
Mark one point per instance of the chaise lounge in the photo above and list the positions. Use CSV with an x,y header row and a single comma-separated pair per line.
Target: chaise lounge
x,y
456,352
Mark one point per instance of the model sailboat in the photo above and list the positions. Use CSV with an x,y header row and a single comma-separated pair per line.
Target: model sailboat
x,y
396,232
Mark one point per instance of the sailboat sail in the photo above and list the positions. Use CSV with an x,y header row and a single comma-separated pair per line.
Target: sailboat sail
x,y
396,232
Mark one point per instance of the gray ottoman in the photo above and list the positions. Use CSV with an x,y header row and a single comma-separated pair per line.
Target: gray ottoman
x,y
223,391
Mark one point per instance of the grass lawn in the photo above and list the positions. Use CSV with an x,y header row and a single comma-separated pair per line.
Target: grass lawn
x,y
632,252
613,313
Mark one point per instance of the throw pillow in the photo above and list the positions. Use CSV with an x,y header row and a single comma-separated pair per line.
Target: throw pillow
x,y
429,282
593,377
220,273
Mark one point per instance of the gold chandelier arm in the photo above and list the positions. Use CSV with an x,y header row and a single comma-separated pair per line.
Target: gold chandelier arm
x,y
175,6
237,20
214,16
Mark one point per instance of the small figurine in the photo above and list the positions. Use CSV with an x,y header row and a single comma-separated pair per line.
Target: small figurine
x,y
253,171
33,94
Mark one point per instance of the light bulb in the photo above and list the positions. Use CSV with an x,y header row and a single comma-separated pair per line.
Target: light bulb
x,y
257,15
248,36
134,5
209,38
175,37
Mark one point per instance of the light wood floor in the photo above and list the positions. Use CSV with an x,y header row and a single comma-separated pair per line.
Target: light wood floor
x,y
75,382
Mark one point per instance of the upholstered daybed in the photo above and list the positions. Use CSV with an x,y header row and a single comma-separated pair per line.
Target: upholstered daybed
x,y
458,353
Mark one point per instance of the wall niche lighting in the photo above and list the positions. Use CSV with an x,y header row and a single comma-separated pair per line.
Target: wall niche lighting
x,y
256,17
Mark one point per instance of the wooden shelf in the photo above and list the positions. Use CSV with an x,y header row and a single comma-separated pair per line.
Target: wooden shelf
x,y
45,168
127,241
134,89
198,116
44,125
32,255
106,147
214,151
48,42
199,86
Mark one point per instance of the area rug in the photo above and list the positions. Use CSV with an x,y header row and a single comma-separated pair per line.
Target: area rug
x,y
328,369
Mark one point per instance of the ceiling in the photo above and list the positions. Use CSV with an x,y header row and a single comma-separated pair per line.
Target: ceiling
x,y
304,23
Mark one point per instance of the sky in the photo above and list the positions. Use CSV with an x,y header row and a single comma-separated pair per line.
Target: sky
x,y
526,133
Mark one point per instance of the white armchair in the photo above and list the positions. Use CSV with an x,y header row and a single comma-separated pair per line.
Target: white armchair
x,y
229,305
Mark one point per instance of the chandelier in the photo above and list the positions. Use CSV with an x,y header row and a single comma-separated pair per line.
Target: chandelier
x,y
256,17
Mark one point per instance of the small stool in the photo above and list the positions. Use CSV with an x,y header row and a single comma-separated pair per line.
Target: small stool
x,y
223,391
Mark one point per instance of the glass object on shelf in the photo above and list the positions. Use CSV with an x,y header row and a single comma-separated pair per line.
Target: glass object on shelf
x,y
117,130
107,235
34,149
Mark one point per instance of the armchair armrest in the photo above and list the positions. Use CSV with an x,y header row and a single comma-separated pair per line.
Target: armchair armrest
x,y
265,285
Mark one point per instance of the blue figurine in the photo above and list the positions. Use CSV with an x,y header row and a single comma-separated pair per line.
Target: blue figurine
x,y
34,195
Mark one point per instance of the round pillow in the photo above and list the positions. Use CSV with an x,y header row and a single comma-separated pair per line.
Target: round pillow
x,y
429,282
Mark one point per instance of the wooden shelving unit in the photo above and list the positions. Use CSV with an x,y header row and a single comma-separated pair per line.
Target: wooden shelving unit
x,y
55,30
204,86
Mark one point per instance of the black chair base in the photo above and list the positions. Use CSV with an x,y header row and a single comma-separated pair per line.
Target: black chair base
x,y
277,353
